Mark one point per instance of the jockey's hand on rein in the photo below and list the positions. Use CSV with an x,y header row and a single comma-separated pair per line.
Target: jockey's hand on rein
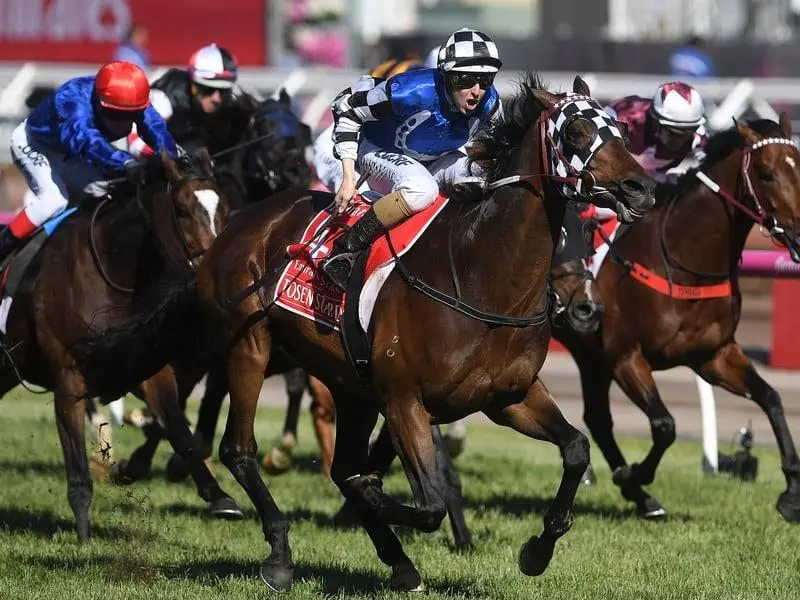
x,y
135,172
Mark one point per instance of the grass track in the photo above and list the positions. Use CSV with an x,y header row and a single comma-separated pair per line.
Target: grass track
x,y
724,539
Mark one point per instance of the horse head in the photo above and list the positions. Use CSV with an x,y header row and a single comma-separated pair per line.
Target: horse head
x,y
276,159
186,206
769,168
571,141
575,297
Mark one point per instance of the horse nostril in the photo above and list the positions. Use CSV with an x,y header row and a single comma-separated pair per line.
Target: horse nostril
x,y
583,310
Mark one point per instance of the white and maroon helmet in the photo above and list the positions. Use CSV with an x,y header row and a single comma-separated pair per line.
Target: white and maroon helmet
x,y
214,67
677,104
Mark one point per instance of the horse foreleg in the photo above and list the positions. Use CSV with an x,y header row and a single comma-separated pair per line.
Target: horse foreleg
x,y
539,417
731,369
634,375
349,472
70,412
453,495
246,365
323,412
161,394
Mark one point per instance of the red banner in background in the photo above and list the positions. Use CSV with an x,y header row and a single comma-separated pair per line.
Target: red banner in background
x,y
90,30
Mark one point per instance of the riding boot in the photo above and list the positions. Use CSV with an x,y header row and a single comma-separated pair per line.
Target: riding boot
x,y
8,242
385,213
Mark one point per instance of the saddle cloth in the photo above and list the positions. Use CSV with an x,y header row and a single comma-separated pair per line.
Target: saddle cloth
x,y
303,291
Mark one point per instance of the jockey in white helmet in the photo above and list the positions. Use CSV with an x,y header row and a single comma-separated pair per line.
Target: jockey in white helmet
x,y
666,133
405,134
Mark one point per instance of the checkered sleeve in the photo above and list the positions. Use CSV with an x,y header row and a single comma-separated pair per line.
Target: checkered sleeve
x,y
351,109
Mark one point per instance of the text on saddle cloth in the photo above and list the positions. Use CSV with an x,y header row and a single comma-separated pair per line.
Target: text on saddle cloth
x,y
303,291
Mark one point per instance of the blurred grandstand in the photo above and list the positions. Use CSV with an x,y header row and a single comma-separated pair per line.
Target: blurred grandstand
x,y
317,47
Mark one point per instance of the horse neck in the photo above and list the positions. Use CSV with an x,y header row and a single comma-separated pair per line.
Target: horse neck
x,y
706,216
509,238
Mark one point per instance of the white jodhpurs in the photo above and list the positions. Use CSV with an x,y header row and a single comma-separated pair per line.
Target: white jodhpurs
x,y
391,171
52,176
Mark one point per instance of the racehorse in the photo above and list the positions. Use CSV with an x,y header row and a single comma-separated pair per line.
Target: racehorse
x,y
267,156
431,363
106,265
688,249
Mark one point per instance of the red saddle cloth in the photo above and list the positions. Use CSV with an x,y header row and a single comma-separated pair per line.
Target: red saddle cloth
x,y
305,292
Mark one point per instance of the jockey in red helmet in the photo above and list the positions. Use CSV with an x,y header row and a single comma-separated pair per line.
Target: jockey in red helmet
x,y
69,144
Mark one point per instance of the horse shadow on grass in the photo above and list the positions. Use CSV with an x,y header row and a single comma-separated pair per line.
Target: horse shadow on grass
x,y
46,524
32,467
335,581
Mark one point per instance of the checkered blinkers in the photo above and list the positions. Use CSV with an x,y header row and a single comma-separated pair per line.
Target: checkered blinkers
x,y
469,50
566,163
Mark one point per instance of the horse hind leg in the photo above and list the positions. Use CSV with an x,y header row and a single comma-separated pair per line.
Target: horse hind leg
x,y
731,369
247,363
635,377
350,463
538,416
323,413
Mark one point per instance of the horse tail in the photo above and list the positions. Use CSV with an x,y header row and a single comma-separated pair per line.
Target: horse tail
x,y
163,326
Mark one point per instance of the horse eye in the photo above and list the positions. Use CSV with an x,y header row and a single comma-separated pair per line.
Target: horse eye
x,y
765,174
182,211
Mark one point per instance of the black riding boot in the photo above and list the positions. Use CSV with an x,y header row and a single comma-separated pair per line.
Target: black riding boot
x,y
8,242
345,249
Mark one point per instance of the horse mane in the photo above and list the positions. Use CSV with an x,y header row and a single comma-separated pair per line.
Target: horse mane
x,y
501,137
724,143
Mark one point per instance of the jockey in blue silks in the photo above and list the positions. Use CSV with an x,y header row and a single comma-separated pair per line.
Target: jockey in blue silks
x,y
66,145
406,135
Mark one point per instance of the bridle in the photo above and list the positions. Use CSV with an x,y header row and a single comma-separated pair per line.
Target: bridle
x,y
767,222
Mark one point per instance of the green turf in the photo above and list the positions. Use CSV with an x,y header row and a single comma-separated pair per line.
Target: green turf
x,y
724,539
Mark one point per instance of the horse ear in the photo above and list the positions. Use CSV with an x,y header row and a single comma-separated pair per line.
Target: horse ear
x,y
284,98
579,86
545,98
169,166
786,125
748,134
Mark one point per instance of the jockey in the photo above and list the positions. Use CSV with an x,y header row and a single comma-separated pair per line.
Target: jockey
x,y
201,100
405,135
65,144
666,132
328,168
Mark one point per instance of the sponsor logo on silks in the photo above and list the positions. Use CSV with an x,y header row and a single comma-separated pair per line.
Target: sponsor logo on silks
x,y
394,158
37,158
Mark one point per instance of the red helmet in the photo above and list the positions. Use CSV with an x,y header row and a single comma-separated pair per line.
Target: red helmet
x,y
121,85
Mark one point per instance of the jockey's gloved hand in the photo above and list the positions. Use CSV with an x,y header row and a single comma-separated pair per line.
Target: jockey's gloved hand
x,y
135,172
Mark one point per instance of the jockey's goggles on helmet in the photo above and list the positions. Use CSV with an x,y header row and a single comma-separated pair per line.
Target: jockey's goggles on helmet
x,y
206,91
676,132
466,80
121,116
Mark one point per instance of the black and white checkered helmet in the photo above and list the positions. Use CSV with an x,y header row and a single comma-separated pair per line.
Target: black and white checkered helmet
x,y
469,50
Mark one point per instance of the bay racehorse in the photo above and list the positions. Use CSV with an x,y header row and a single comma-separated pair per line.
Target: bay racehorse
x,y
103,266
431,363
687,250
265,154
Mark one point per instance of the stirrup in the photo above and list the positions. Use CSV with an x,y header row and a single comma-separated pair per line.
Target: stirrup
x,y
338,268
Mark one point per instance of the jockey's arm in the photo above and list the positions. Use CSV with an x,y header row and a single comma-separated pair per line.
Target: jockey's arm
x,y
153,131
351,109
81,138
161,103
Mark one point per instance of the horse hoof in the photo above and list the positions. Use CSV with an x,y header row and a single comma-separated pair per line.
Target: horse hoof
x,y
120,474
407,579
176,470
277,461
225,508
651,510
464,546
789,507
277,577
534,557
